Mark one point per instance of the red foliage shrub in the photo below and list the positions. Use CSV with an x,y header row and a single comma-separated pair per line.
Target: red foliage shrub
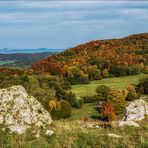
x,y
108,111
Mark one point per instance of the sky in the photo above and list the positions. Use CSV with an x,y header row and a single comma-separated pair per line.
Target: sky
x,y
64,24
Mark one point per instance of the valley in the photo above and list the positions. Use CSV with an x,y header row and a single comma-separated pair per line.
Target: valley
x,y
22,60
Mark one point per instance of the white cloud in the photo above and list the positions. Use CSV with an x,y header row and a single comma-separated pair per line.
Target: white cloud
x,y
77,20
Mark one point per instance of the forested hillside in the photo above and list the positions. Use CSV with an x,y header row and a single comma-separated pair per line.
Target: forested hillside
x,y
100,58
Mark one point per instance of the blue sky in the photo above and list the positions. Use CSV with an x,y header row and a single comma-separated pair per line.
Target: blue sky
x,y
62,24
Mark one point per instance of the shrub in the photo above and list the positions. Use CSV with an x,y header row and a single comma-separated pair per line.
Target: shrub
x,y
66,85
94,74
52,104
125,93
108,111
102,92
118,70
90,99
142,87
71,98
132,95
66,109
135,70
78,78
118,100
145,69
105,73
42,95
79,103
62,110
57,113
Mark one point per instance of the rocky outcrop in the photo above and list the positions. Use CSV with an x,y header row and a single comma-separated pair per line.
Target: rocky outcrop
x,y
136,110
19,111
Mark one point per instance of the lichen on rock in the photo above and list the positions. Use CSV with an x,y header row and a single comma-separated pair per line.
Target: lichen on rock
x,y
19,111
136,110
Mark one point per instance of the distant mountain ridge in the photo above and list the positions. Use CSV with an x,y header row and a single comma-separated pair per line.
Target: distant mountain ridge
x,y
38,50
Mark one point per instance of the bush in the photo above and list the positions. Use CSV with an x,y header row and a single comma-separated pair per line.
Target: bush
x,y
105,73
62,110
142,87
78,78
78,103
125,93
57,113
145,69
71,98
66,85
118,100
118,71
90,99
135,70
102,92
132,95
66,109
108,111
94,74
42,95
52,104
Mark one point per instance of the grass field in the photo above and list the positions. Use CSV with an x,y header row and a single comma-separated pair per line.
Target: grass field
x,y
73,133
88,110
116,82
6,62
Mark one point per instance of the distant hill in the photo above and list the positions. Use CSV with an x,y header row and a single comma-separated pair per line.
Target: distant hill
x,y
115,55
22,60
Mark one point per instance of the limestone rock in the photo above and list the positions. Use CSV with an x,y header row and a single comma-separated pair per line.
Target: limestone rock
x,y
19,111
49,133
128,123
114,135
136,110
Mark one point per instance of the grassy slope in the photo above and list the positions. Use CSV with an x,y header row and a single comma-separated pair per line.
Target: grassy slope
x,y
117,82
72,133
69,133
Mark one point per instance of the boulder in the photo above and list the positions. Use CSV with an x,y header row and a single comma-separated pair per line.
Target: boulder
x,y
136,110
19,111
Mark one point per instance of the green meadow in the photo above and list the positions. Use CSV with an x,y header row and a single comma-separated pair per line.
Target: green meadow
x,y
115,82
6,62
